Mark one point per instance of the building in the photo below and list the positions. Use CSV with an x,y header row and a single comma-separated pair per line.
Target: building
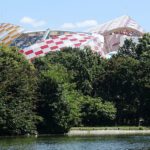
x,y
116,31
104,39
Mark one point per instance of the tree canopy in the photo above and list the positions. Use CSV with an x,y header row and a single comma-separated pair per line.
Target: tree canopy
x,y
17,93
74,87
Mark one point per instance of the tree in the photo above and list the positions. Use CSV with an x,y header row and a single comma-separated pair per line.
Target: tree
x,y
58,103
17,93
128,49
125,81
96,112
84,65
61,105
143,47
119,84
143,81
136,50
141,52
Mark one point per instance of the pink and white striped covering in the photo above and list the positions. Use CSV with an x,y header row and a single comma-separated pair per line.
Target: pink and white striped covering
x,y
9,32
79,40
118,23
116,31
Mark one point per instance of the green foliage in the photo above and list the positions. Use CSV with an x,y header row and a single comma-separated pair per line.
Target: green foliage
x,y
65,77
74,87
142,77
58,101
126,82
143,47
136,50
84,65
143,81
17,93
128,49
95,112
118,84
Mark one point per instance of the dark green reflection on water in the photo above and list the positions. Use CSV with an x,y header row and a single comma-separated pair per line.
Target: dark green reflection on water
x,y
76,143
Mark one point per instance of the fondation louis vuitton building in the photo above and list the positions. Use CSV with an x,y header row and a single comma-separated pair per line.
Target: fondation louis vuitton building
x,y
104,39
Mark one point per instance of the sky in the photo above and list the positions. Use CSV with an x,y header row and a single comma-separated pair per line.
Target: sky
x,y
74,15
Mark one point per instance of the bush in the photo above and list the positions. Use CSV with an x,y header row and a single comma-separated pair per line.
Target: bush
x,y
96,113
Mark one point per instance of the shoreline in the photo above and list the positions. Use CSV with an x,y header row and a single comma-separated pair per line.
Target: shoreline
x,y
95,131
107,132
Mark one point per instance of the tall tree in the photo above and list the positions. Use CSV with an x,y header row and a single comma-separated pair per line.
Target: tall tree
x,y
58,104
126,81
17,93
118,84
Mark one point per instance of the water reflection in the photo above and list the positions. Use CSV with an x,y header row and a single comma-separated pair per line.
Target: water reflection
x,y
76,143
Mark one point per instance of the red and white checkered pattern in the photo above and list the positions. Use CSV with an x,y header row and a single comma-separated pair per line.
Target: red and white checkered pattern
x,y
78,40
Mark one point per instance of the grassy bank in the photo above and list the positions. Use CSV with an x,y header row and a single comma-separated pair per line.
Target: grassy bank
x,y
112,128
98,131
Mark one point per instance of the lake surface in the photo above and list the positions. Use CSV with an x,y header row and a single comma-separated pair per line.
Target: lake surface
x,y
76,143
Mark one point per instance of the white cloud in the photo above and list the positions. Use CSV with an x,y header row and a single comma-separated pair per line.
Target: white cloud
x,y
82,24
33,22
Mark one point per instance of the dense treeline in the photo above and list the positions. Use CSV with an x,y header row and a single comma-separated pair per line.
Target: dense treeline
x,y
74,87
65,82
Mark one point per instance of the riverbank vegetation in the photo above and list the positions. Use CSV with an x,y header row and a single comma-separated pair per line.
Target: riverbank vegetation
x,y
74,88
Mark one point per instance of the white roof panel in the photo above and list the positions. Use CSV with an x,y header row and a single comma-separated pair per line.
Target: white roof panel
x,y
121,22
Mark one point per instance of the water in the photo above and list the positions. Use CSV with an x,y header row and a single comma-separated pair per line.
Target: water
x,y
77,143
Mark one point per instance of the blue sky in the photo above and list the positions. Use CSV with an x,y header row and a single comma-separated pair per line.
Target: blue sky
x,y
76,15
